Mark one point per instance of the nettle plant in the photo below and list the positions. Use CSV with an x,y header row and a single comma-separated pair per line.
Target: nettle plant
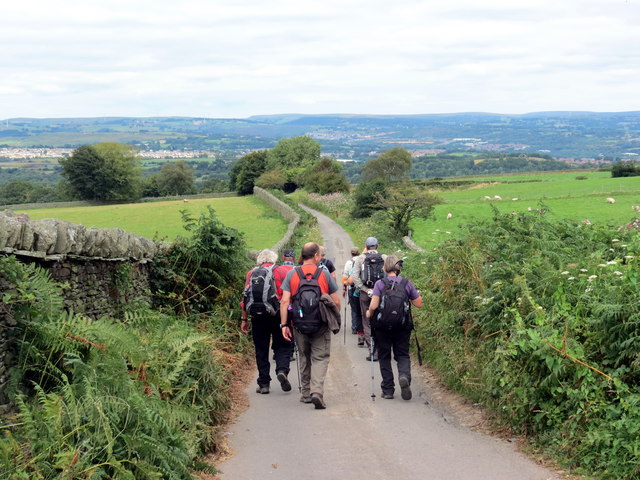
x,y
540,321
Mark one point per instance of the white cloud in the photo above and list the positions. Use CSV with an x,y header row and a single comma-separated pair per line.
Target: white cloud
x,y
244,57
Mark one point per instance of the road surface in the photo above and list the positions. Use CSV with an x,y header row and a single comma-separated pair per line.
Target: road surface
x,y
358,437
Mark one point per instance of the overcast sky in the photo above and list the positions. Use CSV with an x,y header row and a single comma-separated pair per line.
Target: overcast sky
x,y
236,58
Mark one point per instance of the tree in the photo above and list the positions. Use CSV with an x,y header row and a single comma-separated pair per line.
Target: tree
x,y
325,177
175,178
294,152
274,179
390,166
247,169
15,191
403,202
625,169
366,197
106,171
214,185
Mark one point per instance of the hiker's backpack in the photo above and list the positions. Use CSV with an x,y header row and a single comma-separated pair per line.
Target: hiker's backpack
x,y
394,312
260,296
372,269
306,302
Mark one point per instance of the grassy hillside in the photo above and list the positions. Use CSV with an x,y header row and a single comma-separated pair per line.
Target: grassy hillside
x,y
260,225
563,195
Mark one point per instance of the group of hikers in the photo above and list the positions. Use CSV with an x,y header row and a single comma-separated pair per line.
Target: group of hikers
x,y
294,308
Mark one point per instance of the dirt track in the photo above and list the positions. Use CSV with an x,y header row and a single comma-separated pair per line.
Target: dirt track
x,y
359,438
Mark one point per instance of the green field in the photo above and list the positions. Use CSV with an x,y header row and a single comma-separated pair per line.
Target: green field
x,y
261,226
562,194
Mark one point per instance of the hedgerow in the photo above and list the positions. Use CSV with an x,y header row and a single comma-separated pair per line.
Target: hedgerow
x,y
540,321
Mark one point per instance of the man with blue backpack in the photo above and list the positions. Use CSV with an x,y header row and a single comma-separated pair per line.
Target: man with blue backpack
x,y
390,315
261,305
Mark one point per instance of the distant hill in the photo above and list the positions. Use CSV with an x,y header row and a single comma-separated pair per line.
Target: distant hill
x,y
600,136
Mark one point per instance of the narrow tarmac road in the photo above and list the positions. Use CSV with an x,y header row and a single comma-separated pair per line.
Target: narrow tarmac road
x,y
358,437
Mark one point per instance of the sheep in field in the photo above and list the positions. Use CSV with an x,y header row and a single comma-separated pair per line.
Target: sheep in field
x,y
611,200
449,216
635,208
497,197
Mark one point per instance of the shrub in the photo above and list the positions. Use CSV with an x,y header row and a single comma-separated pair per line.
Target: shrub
x,y
539,321
194,271
365,198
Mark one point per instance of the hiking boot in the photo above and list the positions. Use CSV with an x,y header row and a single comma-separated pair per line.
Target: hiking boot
x,y
361,343
305,399
317,400
263,389
387,396
284,383
405,389
368,358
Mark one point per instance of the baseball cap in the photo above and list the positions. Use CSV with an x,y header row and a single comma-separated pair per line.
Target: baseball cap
x,y
371,242
289,253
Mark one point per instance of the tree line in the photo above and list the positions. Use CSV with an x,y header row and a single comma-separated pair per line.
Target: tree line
x,y
113,172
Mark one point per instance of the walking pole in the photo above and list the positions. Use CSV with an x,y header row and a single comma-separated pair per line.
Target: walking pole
x,y
373,391
344,325
297,354
419,350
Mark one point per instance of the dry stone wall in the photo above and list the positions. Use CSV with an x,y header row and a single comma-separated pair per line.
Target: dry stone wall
x,y
283,209
102,270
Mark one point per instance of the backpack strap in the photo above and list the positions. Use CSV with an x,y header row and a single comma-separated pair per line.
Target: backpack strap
x,y
317,273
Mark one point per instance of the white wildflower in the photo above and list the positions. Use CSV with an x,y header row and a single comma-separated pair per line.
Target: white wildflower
x,y
592,278
571,278
628,257
612,262
615,240
602,264
583,270
565,273
618,273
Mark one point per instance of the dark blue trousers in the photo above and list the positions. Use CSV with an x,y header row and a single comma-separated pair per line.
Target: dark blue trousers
x,y
267,332
396,341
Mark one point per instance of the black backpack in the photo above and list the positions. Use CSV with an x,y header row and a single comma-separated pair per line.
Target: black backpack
x,y
372,269
394,311
261,299
306,302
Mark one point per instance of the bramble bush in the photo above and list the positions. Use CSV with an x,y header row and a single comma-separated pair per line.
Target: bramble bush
x,y
540,321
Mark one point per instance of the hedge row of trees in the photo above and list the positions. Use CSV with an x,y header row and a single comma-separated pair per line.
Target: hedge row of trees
x,y
294,162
